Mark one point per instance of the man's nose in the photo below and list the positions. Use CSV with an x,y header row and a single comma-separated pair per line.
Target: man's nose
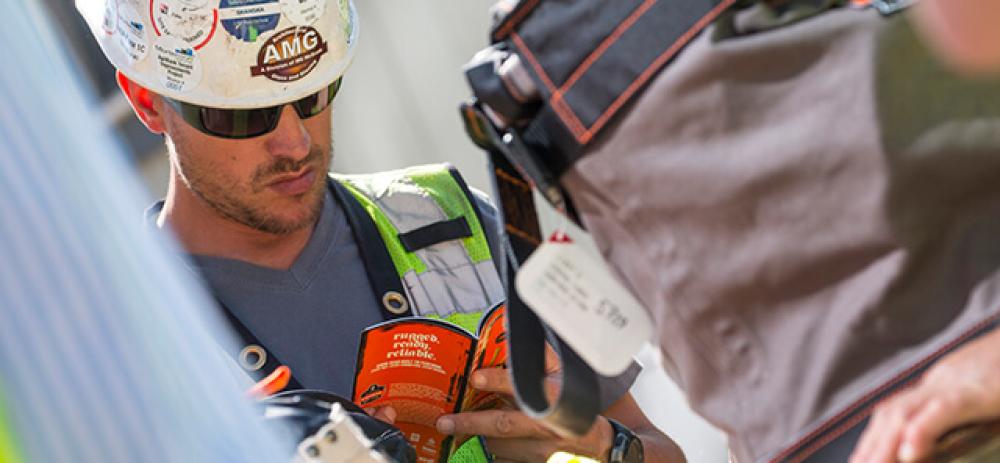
x,y
290,138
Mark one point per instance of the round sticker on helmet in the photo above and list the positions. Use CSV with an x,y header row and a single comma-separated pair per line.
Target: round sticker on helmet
x,y
248,19
192,25
290,54
110,16
302,12
132,34
193,4
179,65
345,15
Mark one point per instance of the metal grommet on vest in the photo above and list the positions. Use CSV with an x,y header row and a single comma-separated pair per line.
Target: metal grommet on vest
x,y
253,357
395,303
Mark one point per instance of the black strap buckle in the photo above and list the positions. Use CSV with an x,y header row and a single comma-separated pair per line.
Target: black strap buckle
x,y
512,146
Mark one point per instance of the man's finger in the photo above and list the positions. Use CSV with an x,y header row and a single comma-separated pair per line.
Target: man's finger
x,y
889,435
492,380
491,423
387,414
869,438
886,425
498,380
923,430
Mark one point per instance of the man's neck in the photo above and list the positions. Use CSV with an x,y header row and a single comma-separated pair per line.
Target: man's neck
x,y
203,231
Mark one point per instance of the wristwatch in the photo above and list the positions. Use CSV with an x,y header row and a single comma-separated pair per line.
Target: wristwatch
x,y
626,447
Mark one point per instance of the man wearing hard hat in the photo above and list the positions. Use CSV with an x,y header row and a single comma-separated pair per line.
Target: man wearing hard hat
x,y
301,261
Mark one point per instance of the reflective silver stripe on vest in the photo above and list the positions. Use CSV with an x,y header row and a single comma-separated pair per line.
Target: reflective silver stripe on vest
x,y
452,282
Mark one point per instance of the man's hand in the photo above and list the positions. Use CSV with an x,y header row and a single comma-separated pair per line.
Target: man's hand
x,y
963,34
962,388
513,436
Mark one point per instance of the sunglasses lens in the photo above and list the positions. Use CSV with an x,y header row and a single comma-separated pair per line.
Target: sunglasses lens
x,y
317,102
247,123
238,123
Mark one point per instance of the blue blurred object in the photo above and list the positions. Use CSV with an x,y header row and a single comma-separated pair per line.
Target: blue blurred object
x,y
108,349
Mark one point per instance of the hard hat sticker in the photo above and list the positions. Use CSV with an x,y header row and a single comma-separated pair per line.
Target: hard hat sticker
x,y
345,15
110,19
132,34
289,55
196,26
179,65
248,19
193,4
303,12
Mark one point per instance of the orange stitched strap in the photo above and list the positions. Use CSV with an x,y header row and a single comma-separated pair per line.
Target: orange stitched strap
x,y
272,384
518,207
522,234
513,180
651,70
557,99
515,19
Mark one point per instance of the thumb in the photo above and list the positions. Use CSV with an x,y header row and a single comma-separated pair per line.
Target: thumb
x,y
387,414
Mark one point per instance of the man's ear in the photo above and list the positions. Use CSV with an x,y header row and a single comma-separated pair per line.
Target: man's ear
x,y
141,100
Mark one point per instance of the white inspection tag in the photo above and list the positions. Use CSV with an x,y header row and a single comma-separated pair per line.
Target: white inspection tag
x,y
584,304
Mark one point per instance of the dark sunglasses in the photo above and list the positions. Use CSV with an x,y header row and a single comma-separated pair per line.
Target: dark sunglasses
x,y
249,123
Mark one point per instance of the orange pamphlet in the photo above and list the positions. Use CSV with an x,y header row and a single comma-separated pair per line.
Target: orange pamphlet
x,y
421,366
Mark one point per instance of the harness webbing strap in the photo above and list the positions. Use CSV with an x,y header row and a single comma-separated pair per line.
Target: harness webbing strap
x,y
250,341
379,265
575,408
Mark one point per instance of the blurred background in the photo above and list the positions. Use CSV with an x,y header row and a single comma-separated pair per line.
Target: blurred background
x,y
398,107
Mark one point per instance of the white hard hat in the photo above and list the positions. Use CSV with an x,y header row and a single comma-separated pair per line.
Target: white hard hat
x,y
231,54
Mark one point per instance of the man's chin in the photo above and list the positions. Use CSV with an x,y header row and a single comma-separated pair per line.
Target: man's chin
x,y
284,225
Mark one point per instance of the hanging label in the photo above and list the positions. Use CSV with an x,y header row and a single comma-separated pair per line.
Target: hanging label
x,y
584,304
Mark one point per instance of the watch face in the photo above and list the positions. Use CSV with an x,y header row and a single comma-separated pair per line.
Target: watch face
x,y
634,453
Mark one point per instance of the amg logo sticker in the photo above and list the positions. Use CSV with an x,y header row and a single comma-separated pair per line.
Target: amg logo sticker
x,y
290,54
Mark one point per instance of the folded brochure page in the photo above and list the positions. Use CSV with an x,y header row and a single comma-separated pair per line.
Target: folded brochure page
x,y
421,367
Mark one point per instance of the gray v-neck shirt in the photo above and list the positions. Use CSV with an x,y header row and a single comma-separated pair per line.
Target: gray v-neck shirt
x,y
323,301
311,316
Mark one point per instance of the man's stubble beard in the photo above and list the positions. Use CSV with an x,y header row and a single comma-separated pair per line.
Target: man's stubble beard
x,y
223,195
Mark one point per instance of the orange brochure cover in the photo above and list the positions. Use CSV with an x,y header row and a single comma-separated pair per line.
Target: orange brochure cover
x,y
421,366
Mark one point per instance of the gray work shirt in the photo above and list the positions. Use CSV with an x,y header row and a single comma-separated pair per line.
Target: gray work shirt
x,y
311,315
